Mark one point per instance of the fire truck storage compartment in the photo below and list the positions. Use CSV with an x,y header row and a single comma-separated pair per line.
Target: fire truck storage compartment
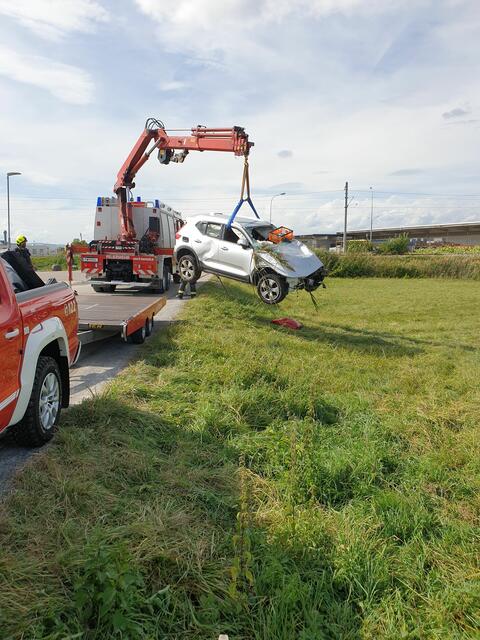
x,y
107,223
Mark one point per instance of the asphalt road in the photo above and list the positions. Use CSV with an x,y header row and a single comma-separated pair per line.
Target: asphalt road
x,y
99,362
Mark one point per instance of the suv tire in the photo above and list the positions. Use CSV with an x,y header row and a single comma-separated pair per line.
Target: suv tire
x,y
43,411
271,288
188,268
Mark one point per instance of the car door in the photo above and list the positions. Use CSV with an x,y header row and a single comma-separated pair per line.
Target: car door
x,y
11,337
206,244
234,259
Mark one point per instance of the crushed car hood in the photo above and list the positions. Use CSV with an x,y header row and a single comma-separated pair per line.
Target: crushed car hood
x,y
291,259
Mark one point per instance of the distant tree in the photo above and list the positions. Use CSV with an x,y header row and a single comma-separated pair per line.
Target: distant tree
x,y
396,245
80,242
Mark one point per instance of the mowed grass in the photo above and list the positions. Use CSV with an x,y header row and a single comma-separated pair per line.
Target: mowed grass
x,y
245,479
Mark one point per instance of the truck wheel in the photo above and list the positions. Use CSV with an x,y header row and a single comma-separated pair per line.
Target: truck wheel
x,y
271,288
107,288
148,327
43,411
166,278
138,336
188,268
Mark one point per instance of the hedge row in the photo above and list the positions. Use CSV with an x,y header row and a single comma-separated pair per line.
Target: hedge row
x,y
408,266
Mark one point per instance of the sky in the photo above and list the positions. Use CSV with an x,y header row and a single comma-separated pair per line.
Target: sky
x,y
382,93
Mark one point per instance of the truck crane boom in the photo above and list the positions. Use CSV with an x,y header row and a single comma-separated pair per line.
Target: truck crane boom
x,y
233,140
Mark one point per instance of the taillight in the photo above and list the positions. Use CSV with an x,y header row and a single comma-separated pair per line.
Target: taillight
x,y
178,236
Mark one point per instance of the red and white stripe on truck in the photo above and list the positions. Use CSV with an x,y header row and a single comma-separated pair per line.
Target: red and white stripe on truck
x,y
144,265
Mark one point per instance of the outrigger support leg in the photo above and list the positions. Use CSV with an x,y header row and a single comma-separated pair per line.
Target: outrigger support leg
x,y
245,186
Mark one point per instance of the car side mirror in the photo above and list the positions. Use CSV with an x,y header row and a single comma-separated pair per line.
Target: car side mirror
x,y
244,243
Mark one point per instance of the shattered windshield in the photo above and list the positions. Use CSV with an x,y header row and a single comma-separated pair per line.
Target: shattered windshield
x,y
260,233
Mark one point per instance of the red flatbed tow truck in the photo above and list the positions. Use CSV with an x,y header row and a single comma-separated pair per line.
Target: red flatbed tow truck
x,y
129,314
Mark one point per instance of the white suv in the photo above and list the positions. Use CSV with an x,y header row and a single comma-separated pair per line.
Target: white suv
x,y
243,252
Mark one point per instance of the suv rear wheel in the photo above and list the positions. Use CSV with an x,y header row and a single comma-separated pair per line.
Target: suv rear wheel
x,y
188,268
43,411
271,288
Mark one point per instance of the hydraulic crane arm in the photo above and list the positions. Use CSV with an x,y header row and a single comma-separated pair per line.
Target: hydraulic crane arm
x,y
233,140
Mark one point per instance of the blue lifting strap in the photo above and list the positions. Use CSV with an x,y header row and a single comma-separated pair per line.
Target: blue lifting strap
x,y
245,184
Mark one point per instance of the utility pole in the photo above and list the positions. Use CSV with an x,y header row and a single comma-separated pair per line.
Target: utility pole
x,y
371,216
345,224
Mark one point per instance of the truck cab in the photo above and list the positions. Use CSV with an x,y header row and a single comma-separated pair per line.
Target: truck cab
x,y
38,344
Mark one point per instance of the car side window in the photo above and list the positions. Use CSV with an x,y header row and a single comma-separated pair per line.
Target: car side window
x,y
231,235
202,227
213,230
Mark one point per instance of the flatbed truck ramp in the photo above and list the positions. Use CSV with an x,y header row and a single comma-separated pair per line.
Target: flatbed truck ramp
x,y
128,314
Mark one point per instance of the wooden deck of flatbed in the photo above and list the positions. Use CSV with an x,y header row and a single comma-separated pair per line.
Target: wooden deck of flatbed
x,y
112,311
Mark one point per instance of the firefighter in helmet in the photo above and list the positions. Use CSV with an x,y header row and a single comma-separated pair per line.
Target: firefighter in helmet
x,y
22,251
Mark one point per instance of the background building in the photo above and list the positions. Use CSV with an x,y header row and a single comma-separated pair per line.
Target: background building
x,y
38,248
455,233
325,241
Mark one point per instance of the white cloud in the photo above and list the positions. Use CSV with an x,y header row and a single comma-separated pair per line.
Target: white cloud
x,y
52,19
173,85
67,83
210,26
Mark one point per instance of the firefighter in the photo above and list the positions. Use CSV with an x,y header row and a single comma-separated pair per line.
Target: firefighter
x,y
22,251
183,286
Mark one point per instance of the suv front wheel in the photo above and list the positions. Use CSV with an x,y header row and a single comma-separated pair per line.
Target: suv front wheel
x,y
271,288
188,268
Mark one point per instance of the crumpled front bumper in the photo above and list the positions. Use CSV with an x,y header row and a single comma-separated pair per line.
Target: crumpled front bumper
x,y
311,282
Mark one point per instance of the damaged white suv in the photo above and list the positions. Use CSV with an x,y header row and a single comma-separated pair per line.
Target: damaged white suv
x,y
245,251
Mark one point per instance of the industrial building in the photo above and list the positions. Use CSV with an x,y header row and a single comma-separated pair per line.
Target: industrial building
x,y
455,233
37,248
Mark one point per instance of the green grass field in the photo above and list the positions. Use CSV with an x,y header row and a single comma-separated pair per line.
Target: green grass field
x,y
45,263
240,478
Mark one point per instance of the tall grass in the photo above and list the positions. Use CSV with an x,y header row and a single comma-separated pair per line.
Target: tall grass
x,y
273,485
408,266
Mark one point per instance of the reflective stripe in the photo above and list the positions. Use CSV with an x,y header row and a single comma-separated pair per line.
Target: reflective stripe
x,y
10,399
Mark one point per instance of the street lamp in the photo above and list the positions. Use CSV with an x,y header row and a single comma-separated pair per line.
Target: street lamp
x,y
271,200
371,216
10,173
